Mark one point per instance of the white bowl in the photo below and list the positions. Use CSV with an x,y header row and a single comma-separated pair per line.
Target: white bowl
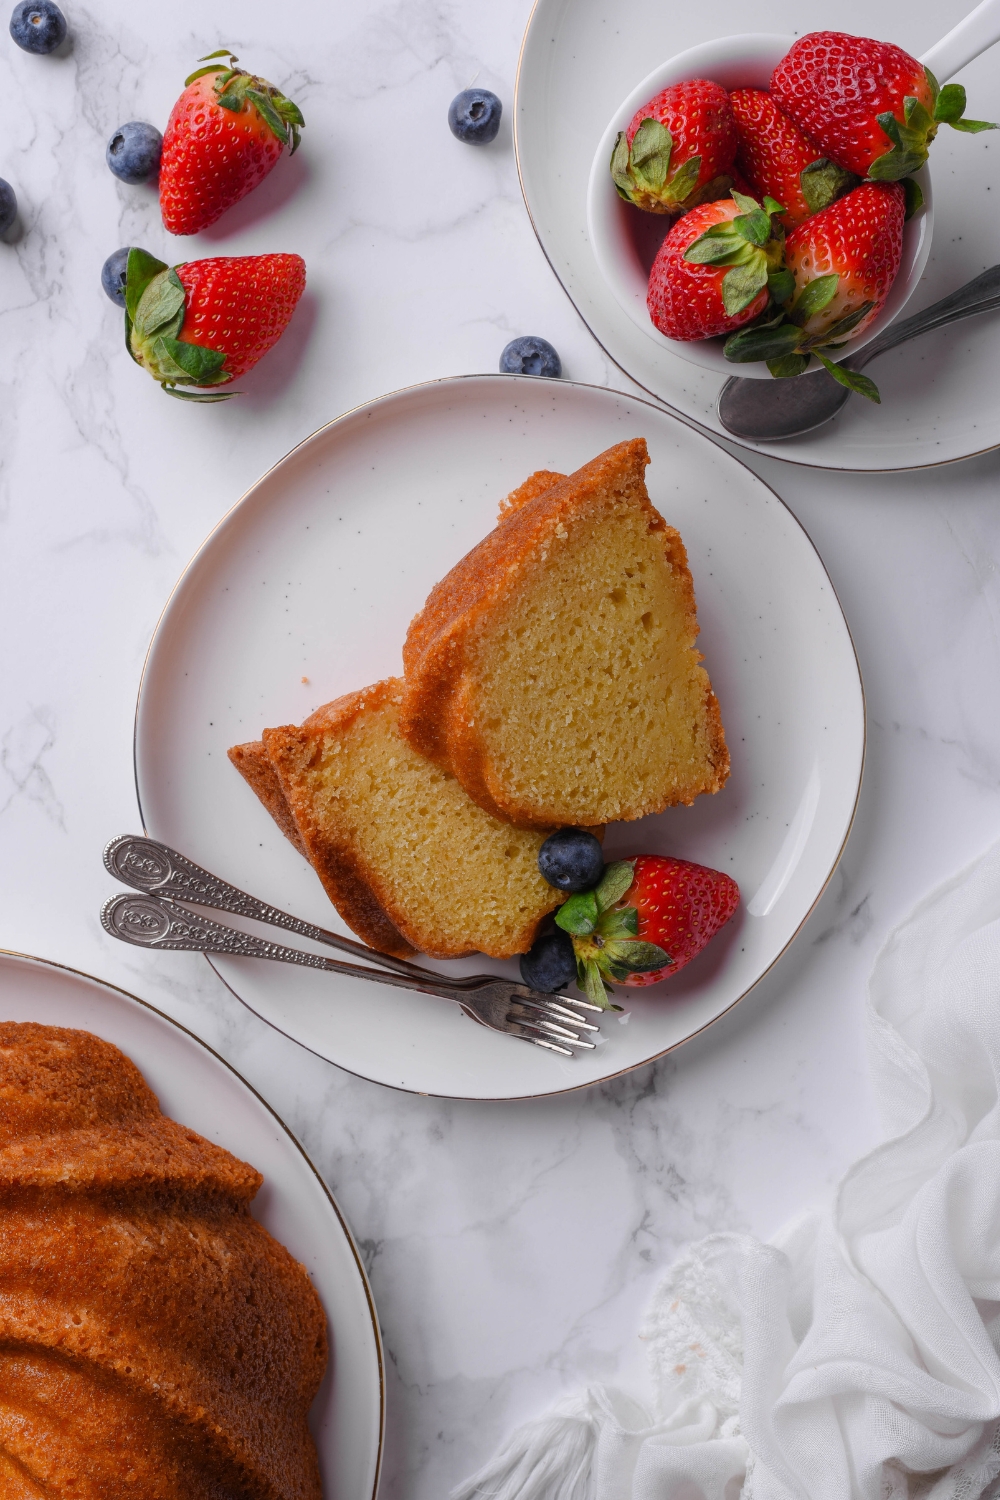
x,y
625,239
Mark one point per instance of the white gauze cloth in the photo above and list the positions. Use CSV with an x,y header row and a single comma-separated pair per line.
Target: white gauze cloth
x,y
855,1356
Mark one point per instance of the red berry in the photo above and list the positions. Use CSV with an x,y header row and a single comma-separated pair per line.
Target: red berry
x,y
834,86
860,238
240,305
205,323
772,152
685,300
214,154
681,907
700,122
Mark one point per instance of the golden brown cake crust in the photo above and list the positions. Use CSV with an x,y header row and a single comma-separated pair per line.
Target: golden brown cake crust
x,y
535,484
154,1339
291,748
437,717
254,765
386,864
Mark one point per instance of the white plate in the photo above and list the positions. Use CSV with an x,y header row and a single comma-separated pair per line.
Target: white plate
x,y
316,574
199,1089
581,58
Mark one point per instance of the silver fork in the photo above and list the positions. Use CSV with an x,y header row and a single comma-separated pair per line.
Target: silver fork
x,y
152,920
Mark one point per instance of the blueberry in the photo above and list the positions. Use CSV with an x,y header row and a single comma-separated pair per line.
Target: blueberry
x,y
550,963
113,275
8,206
571,860
38,26
474,116
133,152
530,356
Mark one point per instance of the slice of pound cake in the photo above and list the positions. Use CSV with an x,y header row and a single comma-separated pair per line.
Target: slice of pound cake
x,y
554,670
404,855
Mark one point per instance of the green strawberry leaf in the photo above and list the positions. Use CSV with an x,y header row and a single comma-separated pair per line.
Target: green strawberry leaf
x,y
139,272
950,105
128,339
909,149
787,365
684,180
233,100
815,295
742,284
578,915
751,344
916,116
781,285
841,328
201,73
913,195
972,127
614,883
222,52
649,159
638,957
719,246
619,922
822,182
772,206
202,396
851,379
161,307
590,981
619,167
748,205
201,366
287,110
755,227
292,116
274,122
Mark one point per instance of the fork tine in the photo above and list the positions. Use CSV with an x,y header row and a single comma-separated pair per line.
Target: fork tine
x,y
551,1027
560,1013
578,1000
560,1033
525,1036
534,1029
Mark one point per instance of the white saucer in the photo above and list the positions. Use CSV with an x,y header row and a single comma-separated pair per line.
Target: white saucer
x,y
199,1089
581,58
305,590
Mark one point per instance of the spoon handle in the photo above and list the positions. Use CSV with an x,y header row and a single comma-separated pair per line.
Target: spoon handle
x,y
973,35
978,295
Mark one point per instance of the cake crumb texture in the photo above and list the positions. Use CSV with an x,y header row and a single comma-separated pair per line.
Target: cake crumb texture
x,y
554,670
410,862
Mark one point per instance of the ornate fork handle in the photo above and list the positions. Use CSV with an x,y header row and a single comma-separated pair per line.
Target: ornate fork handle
x,y
156,922
147,865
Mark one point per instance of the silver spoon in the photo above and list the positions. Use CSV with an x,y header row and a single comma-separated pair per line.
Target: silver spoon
x,y
764,411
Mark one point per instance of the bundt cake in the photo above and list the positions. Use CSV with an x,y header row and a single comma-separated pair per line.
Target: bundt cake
x,y
553,671
155,1342
406,858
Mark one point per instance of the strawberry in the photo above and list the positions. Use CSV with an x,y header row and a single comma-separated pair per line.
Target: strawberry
x,y
869,105
782,162
224,135
209,321
678,150
646,919
843,262
711,273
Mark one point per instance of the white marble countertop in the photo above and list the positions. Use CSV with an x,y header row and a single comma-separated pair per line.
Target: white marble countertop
x,y
510,1248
